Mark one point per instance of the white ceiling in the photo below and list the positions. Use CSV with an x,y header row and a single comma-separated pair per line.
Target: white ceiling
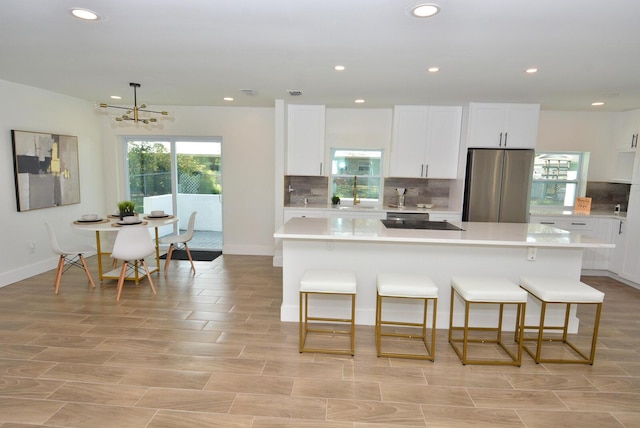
x,y
195,52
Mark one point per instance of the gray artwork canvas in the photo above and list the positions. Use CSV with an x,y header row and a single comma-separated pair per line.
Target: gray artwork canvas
x,y
46,170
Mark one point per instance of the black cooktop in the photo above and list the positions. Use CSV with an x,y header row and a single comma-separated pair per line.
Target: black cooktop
x,y
419,224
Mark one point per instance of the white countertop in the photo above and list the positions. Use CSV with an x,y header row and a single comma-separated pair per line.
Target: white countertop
x,y
370,208
571,214
474,233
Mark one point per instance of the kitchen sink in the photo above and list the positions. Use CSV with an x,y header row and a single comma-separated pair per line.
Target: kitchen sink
x,y
419,224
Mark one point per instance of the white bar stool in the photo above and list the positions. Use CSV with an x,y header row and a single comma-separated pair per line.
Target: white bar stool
x,y
565,292
407,286
487,291
316,281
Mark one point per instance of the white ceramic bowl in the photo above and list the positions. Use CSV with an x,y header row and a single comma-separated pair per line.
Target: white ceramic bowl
x,y
131,219
158,213
89,217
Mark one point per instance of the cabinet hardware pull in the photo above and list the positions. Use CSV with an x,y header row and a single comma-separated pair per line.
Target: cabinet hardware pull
x,y
620,228
426,170
506,135
320,168
421,170
500,142
547,222
578,224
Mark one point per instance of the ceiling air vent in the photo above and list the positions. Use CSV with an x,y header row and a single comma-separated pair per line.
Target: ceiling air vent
x,y
294,93
249,92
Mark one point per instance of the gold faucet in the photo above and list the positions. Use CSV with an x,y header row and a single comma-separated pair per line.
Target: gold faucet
x,y
356,201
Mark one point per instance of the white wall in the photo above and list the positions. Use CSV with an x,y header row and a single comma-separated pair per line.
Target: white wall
x,y
30,109
248,159
581,131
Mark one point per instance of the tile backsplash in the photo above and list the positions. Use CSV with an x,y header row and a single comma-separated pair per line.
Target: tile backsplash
x,y
604,196
419,191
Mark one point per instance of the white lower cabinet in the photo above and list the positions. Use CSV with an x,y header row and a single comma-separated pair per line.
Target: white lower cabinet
x,y
442,216
377,215
290,213
592,258
616,255
631,264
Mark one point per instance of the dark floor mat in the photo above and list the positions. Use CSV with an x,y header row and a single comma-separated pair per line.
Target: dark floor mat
x,y
200,256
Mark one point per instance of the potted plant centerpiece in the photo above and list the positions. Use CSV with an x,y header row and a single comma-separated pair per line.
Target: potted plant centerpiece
x,y
126,208
335,200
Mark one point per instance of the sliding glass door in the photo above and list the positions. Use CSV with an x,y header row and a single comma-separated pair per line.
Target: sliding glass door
x,y
178,176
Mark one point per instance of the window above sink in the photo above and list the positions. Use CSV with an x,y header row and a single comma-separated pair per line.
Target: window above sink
x,y
364,166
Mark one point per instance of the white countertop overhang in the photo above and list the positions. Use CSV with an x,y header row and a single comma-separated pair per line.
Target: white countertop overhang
x,y
474,233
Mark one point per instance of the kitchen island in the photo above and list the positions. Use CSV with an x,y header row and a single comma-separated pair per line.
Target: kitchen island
x,y
367,247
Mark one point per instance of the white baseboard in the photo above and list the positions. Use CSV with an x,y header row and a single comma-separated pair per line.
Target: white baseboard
x,y
248,250
24,272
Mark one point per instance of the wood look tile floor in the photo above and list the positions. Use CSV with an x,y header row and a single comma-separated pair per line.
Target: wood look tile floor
x,y
210,351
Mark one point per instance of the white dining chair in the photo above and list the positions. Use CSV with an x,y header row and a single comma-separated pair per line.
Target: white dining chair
x,y
180,241
132,245
69,256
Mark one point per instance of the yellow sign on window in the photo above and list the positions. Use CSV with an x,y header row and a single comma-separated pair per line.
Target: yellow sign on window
x,y
583,206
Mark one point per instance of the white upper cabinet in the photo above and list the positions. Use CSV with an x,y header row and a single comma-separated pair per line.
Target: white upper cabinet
x,y
426,141
305,140
507,126
626,127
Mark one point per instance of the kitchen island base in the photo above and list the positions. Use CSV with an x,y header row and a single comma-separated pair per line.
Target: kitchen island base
x,y
439,261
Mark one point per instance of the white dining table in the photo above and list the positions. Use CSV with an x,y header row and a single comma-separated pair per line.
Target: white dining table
x,y
110,224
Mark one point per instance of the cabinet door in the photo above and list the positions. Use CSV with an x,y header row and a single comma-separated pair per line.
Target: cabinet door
x,y
442,216
487,125
443,142
305,140
616,255
631,265
586,227
522,126
290,213
626,126
409,141
511,126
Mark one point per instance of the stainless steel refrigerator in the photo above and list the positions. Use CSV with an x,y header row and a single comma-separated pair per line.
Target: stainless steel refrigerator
x,y
498,185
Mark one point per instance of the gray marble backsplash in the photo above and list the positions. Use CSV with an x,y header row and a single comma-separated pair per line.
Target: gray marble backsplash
x,y
419,191
605,196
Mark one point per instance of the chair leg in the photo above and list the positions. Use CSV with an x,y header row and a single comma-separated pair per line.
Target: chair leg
x,y
58,277
123,273
186,247
166,263
146,269
86,269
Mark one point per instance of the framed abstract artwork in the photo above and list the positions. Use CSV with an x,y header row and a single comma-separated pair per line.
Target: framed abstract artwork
x,y
46,170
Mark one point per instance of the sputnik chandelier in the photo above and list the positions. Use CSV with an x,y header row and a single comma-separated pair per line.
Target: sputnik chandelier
x,y
136,110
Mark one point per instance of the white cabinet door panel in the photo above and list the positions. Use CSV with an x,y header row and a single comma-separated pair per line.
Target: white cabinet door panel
x,y
305,140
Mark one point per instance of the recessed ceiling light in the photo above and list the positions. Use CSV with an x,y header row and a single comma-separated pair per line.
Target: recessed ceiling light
x,y
85,14
228,99
339,68
116,97
358,101
598,103
433,69
425,10
531,70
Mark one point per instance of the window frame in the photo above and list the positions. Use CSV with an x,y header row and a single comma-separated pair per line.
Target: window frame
x,y
379,177
579,181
